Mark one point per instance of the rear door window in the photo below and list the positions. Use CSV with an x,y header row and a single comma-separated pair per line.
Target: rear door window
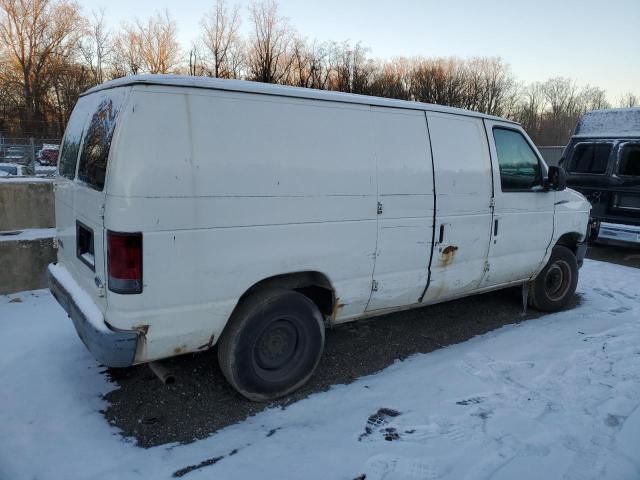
x,y
97,142
71,142
630,160
591,158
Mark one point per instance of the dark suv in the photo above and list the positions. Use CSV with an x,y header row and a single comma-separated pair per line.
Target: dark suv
x,y
602,161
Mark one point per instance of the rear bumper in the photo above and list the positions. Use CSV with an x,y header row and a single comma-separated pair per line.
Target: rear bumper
x,y
619,233
113,348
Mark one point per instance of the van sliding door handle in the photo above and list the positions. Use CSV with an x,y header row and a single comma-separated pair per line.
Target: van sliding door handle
x,y
495,227
441,237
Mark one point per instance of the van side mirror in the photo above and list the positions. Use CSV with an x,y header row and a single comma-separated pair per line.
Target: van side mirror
x,y
556,178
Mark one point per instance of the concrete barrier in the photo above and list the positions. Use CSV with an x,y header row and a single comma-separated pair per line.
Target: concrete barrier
x,y
27,219
551,155
23,264
26,204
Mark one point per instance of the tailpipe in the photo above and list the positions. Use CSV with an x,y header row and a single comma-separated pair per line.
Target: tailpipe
x,y
162,372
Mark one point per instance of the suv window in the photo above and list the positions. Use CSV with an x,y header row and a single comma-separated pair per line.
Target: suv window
x,y
519,165
590,158
97,142
630,160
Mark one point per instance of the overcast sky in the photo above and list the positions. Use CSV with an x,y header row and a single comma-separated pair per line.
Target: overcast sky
x,y
595,42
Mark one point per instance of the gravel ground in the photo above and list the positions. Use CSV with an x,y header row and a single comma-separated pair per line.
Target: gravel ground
x,y
200,402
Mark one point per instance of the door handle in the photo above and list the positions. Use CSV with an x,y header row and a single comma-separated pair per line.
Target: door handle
x,y
441,236
495,227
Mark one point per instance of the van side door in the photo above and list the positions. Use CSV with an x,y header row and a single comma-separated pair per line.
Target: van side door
x,y
405,207
463,185
522,225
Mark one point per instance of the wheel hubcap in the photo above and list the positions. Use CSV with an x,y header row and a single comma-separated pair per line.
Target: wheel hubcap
x,y
277,345
557,280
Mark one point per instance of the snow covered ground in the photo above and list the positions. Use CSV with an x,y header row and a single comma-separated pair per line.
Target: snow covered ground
x,y
555,397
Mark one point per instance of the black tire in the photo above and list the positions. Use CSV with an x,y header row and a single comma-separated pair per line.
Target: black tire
x,y
556,284
272,344
594,233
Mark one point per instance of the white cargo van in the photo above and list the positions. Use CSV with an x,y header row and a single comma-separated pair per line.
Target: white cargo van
x,y
193,212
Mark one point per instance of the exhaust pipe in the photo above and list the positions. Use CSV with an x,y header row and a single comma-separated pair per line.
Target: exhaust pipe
x,y
162,373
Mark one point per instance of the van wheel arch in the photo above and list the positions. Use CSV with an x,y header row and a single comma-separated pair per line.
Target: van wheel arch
x,y
312,284
570,240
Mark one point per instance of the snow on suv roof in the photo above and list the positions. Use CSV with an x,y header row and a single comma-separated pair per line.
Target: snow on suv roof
x,y
280,90
612,122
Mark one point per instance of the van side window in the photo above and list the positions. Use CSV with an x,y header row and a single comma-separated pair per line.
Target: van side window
x,y
71,144
519,165
630,160
95,149
590,158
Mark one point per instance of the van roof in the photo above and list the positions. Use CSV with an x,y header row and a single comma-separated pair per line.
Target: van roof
x,y
280,90
610,122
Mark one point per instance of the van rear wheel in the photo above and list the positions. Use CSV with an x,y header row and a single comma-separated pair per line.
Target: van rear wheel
x,y
272,344
556,284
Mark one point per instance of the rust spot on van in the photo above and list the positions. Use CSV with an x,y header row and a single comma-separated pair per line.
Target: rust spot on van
x,y
447,254
143,329
207,345
179,350
337,306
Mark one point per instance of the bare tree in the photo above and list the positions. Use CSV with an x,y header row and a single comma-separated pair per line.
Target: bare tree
x,y
268,54
628,100
149,47
220,37
353,71
531,107
593,98
127,55
197,65
36,36
97,47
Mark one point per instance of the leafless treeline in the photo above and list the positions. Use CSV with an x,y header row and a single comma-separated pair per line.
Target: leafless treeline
x,y
50,52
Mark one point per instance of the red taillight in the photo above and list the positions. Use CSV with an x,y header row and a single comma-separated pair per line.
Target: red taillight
x,y
124,253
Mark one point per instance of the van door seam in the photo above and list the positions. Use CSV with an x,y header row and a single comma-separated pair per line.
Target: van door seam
x,y
433,225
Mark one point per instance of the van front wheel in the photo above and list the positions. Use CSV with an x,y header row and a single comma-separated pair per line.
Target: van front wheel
x,y
556,284
272,344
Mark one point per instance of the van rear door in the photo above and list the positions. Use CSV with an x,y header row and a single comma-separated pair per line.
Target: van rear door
x,y
80,192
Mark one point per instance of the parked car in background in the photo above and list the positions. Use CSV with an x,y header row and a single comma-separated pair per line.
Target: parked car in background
x,y
252,216
16,154
12,169
48,154
602,161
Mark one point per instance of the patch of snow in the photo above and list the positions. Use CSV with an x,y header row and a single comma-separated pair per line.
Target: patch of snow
x,y
28,234
79,295
14,179
613,122
555,397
